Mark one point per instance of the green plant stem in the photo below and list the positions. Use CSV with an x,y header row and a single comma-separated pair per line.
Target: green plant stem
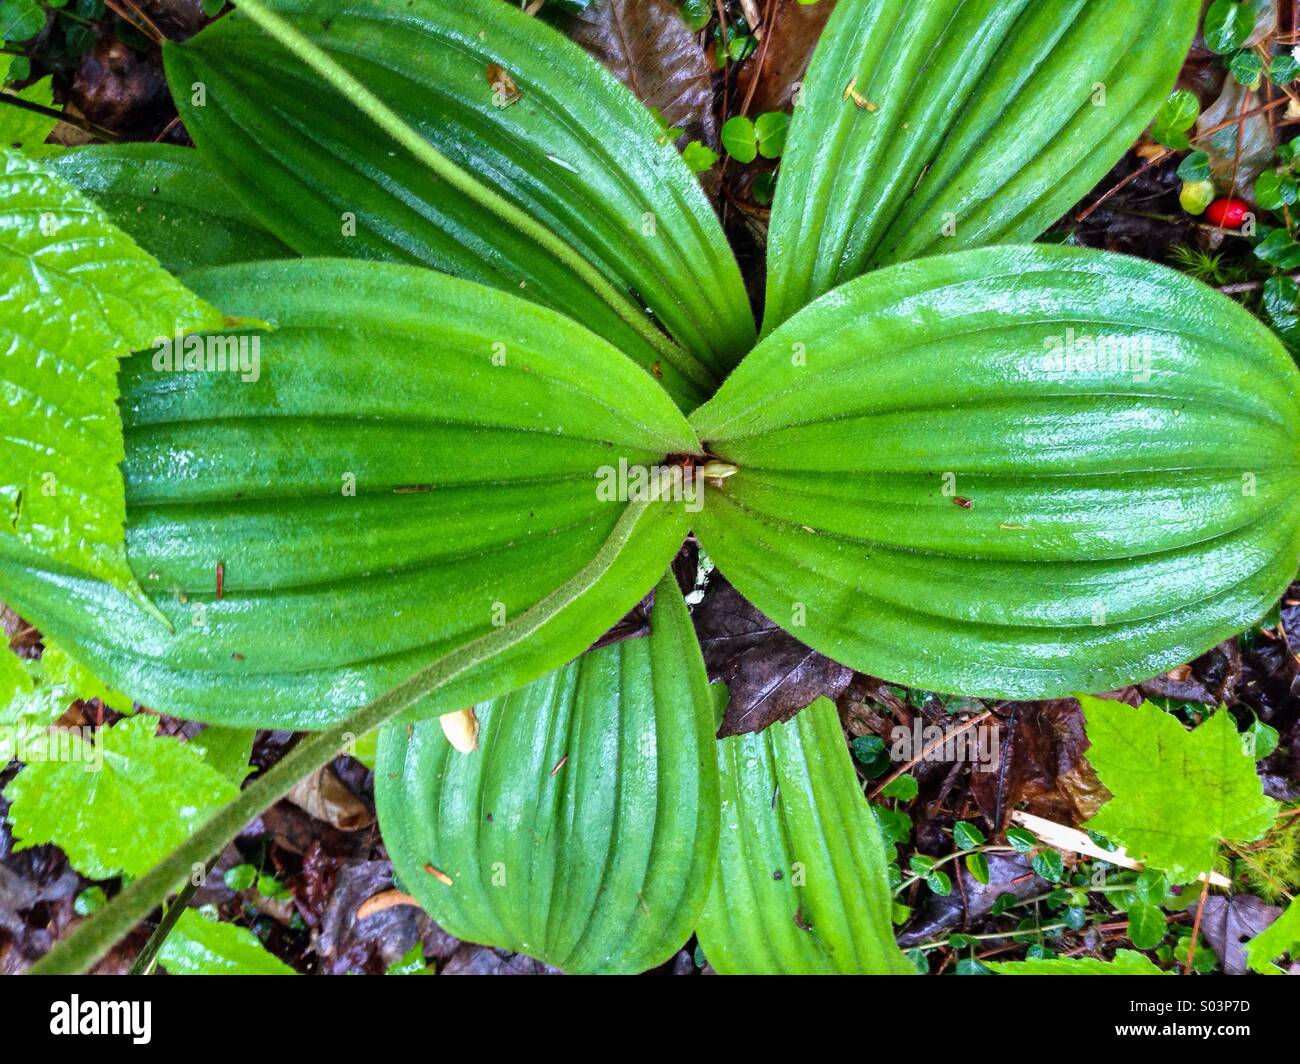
x,y
393,124
996,934
916,878
94,938
144,961
10,100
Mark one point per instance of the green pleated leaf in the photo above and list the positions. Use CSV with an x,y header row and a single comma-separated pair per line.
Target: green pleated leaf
x,y
1014,472
415,464
929,126
169,202
584,829
800,886
76,294
522,109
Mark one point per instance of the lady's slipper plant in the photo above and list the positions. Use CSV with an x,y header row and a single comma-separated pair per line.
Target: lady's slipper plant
x,y
477,281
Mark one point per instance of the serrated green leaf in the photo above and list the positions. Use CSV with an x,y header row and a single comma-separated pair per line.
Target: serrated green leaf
x,y
227,750
1283,69
1281,936
120,802
584,828
1014,472
199,946
699,156
23,130
169,202
1247,67
925,128
524,111
1177,795
419,451
801,884
1126,962
77,296
33,695
1146,925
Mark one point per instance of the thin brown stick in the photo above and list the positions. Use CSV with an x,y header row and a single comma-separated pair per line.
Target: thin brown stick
x,y
137,18
929,748
1083,216
1196,929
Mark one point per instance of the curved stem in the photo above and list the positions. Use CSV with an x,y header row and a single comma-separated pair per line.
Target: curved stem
x,y
462,181
94,938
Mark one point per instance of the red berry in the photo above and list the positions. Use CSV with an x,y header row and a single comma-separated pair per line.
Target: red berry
x,y
1227,213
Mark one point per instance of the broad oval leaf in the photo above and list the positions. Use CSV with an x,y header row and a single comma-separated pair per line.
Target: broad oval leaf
x,y
930,126
415,464
1014,472
513,102
800,886
584,829
168,201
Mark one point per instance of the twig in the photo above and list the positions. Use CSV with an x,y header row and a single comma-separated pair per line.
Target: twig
x,y
928,749
1157,160
145,24
1250,286
1061,837
1196,928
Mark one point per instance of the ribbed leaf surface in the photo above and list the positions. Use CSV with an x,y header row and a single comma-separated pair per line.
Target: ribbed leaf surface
x,y
384,492
930,126
1014,472
169,202
584,829
800,887
517,105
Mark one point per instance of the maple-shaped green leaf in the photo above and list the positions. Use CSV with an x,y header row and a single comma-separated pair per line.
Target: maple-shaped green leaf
x,y
199,946
1177,794
1126,962
228,750
1281,936
20,128
34,694
76,294
116,803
